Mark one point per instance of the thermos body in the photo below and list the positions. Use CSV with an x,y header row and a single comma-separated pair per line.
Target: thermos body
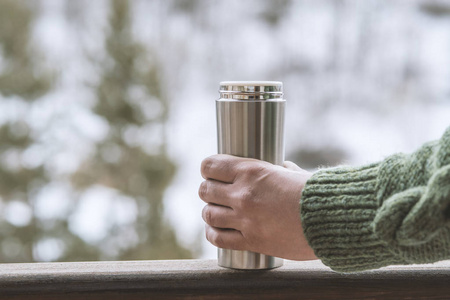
x,y
250,123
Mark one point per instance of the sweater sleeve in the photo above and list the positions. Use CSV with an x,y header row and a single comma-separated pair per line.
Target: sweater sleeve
x,y
393,212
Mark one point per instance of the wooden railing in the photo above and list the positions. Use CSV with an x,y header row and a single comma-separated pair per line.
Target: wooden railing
x,y
203,279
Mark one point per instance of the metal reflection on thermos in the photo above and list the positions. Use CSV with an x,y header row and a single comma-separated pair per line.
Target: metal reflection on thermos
x,y
250,123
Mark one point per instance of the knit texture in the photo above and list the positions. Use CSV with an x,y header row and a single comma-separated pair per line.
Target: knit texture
x,y
393,212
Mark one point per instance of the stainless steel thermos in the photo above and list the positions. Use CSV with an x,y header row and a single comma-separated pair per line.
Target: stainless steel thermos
x,y
250,123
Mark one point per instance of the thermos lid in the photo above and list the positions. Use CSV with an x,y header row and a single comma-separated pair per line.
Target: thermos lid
x,y
251,90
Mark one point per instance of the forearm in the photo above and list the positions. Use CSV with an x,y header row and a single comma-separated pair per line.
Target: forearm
x,y
393,212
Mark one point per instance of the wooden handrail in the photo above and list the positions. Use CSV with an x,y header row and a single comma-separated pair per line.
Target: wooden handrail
x,y
203,279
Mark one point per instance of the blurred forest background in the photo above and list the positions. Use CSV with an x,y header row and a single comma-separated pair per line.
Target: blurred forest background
x,y
107,107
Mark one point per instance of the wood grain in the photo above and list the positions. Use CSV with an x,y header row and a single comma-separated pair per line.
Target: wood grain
x,y
203,279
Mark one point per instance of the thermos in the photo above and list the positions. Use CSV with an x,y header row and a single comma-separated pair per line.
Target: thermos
x,y
250,123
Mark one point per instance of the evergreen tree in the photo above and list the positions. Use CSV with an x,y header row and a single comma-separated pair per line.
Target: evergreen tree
x,y
132,159
22,81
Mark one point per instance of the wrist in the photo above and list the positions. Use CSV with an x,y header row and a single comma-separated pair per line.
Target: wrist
x,y
338,206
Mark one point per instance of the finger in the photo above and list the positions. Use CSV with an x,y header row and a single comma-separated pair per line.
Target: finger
x,y
225,238
291,166
212,191
221,167
220,217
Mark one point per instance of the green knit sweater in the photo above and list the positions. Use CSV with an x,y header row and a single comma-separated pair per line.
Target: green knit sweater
x,y
393,212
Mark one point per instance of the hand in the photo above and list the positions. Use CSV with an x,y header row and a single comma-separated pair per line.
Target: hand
x,y
254,205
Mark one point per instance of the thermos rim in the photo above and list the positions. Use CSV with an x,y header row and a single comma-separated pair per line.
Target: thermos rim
x,y
251,83
246,90
251,86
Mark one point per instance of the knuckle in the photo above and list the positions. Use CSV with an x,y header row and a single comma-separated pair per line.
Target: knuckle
x,y
203,190
253,169
246,224
218,240
206,166
242,168
247,197
214,237
207,215
207,233
248,193
256,170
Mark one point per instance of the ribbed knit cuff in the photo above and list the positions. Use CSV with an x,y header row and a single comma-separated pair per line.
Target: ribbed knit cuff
x,y
338,206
